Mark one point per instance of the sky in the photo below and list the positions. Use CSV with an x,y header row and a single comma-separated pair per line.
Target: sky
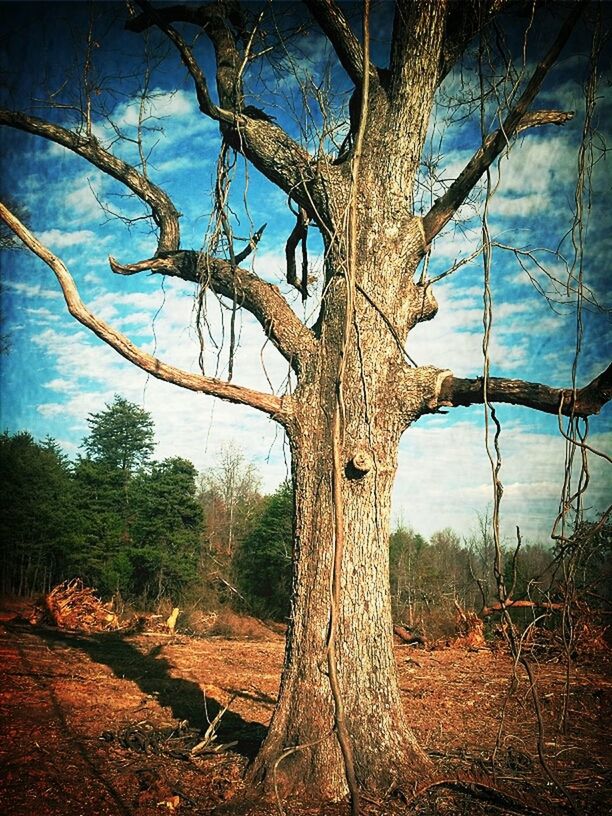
x,y
55,373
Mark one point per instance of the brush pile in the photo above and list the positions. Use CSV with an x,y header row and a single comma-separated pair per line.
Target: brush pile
x,y
75,607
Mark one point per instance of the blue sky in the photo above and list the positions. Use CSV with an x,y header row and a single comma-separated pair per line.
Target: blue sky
x,y
56,373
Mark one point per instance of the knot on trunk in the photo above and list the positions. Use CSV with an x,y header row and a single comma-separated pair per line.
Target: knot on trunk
x,y
360,464
425,306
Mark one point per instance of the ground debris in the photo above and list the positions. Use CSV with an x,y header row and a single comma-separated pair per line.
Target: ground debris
x,y
73,606
178,740
59,692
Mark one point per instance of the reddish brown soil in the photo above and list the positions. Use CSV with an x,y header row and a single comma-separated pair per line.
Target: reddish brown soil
x,y
59,692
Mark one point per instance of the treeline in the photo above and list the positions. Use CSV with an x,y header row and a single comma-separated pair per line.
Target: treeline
x,y
137,528
149,531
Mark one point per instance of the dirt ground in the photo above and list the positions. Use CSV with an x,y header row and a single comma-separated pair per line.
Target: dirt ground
x,y
81,719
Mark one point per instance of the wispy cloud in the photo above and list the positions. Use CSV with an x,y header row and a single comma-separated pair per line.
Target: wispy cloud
x,y
31,290
59,239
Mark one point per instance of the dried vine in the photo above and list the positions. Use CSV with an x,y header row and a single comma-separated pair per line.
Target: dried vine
x,y
571,501
575,440
339,424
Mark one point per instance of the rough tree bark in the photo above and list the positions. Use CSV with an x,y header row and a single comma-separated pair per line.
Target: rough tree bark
x,y
382,393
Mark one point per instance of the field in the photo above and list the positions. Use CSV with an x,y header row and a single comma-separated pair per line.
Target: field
x,y
92,725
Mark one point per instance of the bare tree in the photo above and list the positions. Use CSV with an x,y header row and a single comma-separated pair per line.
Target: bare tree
x,y
339,724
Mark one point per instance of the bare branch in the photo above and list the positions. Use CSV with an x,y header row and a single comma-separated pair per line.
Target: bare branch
x,y
164,212
446,206
463,22
584,402
199,80
336,28
298,235
247,129
268,403
517,120
280,323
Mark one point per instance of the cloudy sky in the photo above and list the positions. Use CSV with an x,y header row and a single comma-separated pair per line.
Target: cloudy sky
x,y
55,373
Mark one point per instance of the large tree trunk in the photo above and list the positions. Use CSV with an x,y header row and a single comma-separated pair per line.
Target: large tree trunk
x,y
378,406
385,750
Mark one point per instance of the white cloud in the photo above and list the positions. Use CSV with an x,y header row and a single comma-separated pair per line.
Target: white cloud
x,y
160,104
444,477
84,198
524,206
59,239
31,290
42,314
61,385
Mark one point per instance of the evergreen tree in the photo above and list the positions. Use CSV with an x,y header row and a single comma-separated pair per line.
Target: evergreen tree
x,y
102,504
263,561
37,522
121,440
121,436
166,529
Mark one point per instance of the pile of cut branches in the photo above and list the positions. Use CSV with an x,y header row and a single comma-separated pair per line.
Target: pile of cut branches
x,y
588,638
71,605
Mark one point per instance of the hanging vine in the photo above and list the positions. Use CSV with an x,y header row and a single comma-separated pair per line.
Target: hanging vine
x,y
493,451
339,424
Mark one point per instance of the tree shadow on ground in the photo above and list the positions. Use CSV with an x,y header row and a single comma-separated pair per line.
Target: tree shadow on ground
x,y
151,673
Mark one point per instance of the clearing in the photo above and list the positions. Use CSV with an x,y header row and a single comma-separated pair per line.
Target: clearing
x,y
89,725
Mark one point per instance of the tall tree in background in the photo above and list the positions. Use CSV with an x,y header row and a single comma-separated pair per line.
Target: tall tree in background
x,y
165,530
262,562
121,436
230,496
38,531
120,442
339,723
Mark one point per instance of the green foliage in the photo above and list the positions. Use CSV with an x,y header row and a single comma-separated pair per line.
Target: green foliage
x,y
122,436
166,528
147,530
37,523
263,562
115,519
101,504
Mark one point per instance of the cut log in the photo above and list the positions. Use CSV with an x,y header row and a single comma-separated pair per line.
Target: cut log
x,y
407,637
497,607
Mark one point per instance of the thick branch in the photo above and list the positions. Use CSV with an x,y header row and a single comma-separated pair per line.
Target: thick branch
x,y
198,15
164,212
416,41
265,302
586,401
268,403
271,150
444,209
336,28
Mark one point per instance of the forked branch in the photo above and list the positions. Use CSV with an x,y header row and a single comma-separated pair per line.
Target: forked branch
x,y
263,300
336,28
268,403
247,129
517,120
165,214
584,402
